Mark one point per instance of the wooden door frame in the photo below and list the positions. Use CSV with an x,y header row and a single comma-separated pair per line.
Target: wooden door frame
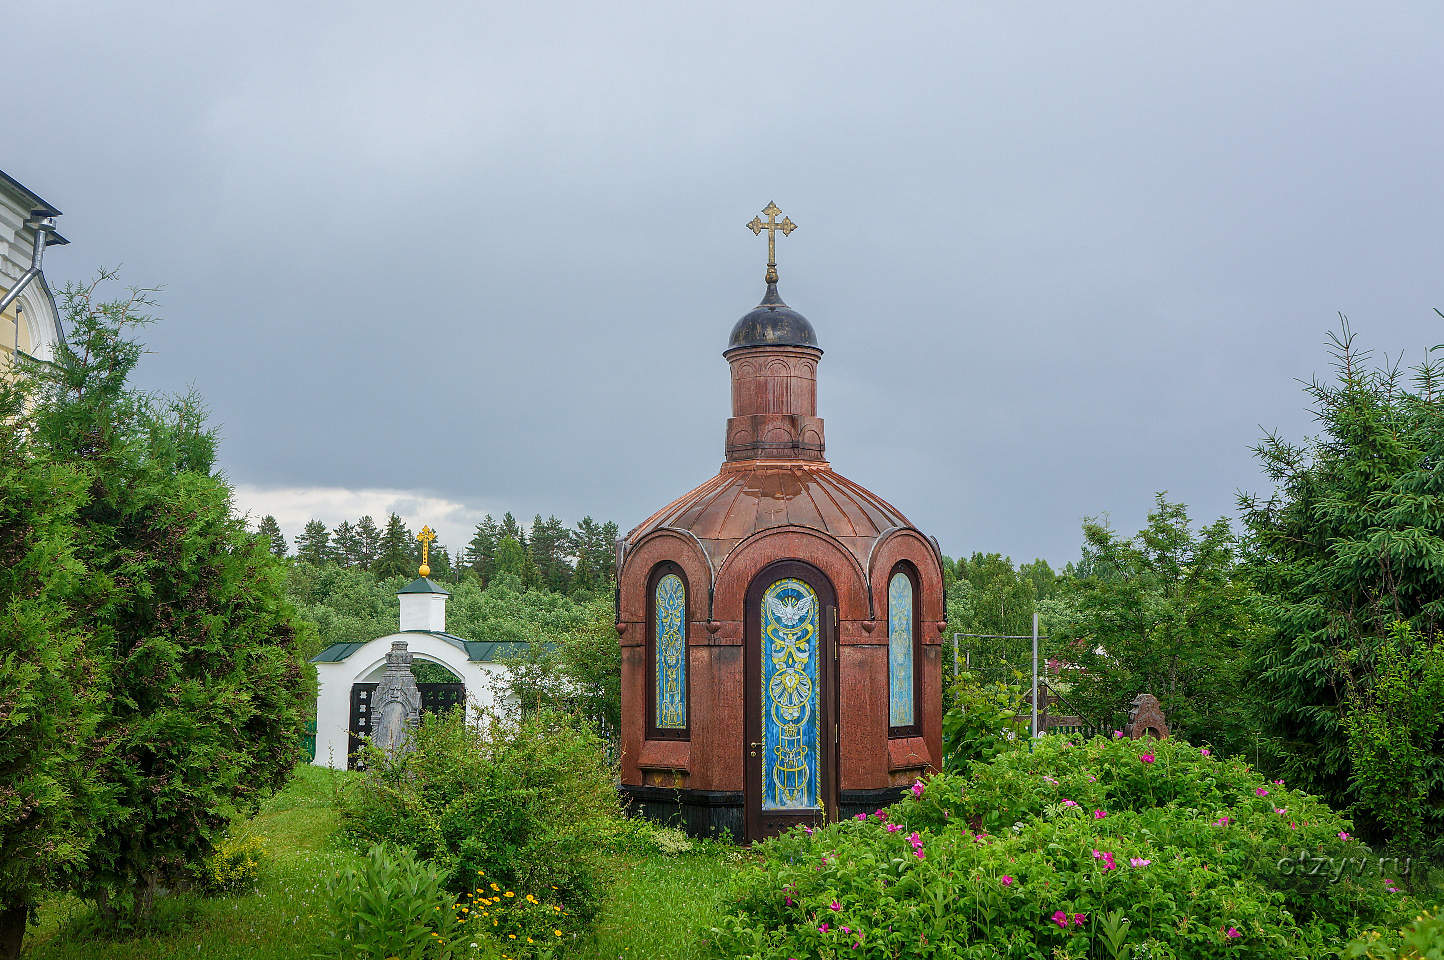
x,y
758,825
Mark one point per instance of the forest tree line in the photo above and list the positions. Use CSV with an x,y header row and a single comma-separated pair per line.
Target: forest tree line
x,y
549,555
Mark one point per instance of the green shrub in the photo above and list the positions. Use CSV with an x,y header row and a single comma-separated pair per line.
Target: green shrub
x,y
1105,849
235,865
642,837
1423,939
985,719
391,906
528,806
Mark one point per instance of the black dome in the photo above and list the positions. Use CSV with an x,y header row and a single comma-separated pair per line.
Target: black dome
x,y
772,323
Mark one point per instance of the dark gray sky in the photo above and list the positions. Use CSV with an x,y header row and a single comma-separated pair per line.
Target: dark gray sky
x,y
1059,255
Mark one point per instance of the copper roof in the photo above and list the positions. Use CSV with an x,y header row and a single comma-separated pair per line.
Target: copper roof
x,y
753,495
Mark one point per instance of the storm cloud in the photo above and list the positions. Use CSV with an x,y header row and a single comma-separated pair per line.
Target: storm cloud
x,y
486,256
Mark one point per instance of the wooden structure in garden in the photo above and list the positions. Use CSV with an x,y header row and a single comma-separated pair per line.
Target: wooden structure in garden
x,y
780,624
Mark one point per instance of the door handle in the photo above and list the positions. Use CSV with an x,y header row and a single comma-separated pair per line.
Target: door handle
x,y
754,748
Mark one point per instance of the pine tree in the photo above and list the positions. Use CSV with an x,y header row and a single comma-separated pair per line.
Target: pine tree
x,y
314,543
49,683
270,533
398,555
510,528
370,541
205,690
347,548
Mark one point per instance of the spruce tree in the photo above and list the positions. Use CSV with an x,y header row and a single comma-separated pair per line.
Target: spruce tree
x,y
205,688
270,533
1348,549
346,547
369,537
398,554
551,547
481,552
314,543
49,682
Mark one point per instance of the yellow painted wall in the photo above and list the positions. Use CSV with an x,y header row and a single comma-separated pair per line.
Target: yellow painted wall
x,y
7,334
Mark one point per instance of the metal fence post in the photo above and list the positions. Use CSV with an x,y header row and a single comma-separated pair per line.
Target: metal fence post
x,y
1035,675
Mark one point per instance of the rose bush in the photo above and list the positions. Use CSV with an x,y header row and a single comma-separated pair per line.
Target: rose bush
x,y
1102,849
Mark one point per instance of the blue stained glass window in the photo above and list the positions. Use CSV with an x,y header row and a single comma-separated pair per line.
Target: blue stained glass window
x,y
671,617
901,703
791,728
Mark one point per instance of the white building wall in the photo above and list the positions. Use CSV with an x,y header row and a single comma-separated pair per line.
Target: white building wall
x,y
333,700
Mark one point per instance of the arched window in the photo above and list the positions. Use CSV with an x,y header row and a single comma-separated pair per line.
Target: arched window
x,y
667,646
902,644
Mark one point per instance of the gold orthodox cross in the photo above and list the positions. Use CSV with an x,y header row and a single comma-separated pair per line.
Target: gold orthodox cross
x,y
426,536
771,225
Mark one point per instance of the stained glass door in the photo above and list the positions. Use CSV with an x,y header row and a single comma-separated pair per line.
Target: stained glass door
x,y
791,732
791,739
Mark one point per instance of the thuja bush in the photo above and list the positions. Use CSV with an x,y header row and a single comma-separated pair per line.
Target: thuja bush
x,y
1105,849
528,806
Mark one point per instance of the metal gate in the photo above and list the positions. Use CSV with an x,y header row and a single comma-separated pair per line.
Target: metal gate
x,y
435,698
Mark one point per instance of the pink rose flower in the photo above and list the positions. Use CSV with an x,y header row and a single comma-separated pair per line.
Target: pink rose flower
x,y
861,816
1232,933
834,906
893,828
1281,810
1007,881
1223,821
1061,919
1147,758
822,928
1262,792
1078,919
1117,734
1069,803
1343,834
1138,862
1204,751
1278,783
881,815
1099,814
917,788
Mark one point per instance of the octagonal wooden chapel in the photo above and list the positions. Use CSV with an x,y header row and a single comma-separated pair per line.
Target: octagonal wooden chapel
x,y
780,624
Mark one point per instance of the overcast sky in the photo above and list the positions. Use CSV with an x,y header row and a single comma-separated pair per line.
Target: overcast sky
x,y
456,258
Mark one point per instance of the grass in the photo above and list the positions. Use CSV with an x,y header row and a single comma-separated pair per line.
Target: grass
x,y
279,919
659,908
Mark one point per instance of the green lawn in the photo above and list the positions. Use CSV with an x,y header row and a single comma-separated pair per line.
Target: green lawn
x,y
659,907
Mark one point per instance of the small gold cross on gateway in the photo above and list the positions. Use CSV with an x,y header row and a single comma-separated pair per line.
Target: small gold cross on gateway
x,y
771,226
426,536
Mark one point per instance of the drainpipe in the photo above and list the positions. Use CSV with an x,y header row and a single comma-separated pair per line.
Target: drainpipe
x,y
44,230
44,235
